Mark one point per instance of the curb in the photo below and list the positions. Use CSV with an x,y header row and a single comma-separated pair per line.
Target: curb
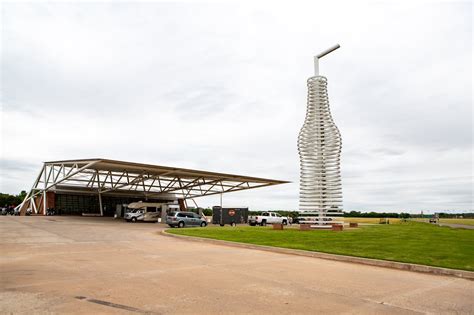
x,y
351,259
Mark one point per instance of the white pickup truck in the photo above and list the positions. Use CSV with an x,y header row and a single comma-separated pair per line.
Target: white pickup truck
x,y
267,218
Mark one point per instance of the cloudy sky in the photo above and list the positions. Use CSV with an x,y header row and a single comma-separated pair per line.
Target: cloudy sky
x,y
222,87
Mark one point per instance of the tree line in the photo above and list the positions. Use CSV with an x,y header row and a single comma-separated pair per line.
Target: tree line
x,y
12,200
359,214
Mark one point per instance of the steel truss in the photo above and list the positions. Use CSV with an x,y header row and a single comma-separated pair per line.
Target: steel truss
x,y
108,177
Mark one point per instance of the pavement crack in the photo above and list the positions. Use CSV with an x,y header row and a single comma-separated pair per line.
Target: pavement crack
x,y
114,305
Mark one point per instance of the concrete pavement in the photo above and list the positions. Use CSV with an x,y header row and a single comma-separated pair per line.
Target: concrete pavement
x,y
458,226
98,265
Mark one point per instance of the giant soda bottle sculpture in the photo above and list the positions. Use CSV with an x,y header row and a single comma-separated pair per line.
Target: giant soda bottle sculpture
x,y
319,146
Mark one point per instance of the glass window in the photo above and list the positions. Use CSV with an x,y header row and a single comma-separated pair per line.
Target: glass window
x,y
150,209
181,215
265,214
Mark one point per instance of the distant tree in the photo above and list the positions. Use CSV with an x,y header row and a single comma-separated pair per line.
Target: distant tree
x,y
207,212
8,200
22,195
352,214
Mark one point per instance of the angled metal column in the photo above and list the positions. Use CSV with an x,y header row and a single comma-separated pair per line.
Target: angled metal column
x,y
44,191
319,146
28,198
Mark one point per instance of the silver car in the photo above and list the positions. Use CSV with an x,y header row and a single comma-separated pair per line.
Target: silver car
x,y
182,219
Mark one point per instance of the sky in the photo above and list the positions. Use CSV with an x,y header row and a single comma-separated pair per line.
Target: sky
x,y
222,87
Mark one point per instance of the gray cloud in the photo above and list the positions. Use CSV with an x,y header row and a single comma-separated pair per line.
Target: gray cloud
x,y
223,88
16,165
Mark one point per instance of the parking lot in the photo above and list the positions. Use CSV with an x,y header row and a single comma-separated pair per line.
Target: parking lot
x,y
100,265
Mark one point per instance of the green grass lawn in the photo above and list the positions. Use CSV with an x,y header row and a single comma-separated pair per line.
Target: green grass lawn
x,y
411,242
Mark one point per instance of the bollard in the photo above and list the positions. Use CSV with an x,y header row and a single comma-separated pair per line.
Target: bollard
x,y
305,227
277,226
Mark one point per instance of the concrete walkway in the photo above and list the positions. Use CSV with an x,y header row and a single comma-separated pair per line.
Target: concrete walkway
x,y
97,265
458,226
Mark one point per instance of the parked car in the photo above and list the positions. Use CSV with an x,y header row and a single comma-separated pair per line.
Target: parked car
x,y
181,219
268,218
10,210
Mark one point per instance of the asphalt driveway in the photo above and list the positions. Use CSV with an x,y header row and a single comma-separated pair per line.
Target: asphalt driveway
x,y
99,265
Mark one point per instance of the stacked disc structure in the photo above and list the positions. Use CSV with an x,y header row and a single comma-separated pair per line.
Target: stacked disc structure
x,y
319,146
